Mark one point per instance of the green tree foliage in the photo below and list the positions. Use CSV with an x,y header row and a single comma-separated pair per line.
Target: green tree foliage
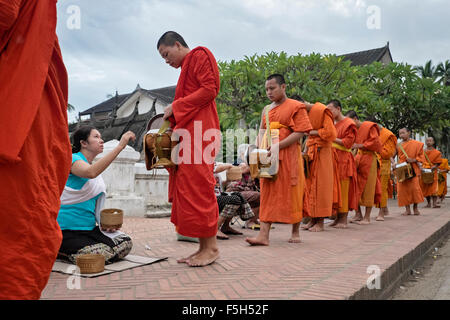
x,y
398,95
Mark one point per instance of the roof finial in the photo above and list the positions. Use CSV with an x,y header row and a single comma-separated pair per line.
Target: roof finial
x,y
138,87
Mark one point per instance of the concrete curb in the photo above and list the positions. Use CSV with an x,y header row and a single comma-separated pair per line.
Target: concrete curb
x,y
400,270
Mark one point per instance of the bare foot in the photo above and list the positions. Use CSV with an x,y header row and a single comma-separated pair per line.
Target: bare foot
x,y
341,225
334,223
230,230
295,238
406,213
427,206
257,241
379,218
416,212
309,225
355,219
362,222
184,260
436,206
204,258
316,228
220,235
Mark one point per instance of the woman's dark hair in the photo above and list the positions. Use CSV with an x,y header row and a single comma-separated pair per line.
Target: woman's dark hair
x,y
82,133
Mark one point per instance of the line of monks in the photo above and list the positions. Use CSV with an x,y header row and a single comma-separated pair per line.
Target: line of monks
x,y
349,165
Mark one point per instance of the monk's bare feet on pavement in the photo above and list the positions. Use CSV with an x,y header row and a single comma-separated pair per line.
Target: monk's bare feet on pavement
x,y
203,258
335,222
318,227
406,213
341,225
363,222
311,223
258,241
356,218
379,218
416,209
295,237
428,205
341,221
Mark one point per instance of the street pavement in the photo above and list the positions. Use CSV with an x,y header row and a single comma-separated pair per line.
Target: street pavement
x,y
334,264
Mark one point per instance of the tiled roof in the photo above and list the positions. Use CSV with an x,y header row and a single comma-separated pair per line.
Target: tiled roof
x,y
367,57
165,94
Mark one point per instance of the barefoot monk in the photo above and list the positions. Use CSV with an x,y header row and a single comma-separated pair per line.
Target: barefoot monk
x,y
193,112
282,199
346,136
409,192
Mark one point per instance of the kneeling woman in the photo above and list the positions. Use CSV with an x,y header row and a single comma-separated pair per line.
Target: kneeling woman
x,y
83,198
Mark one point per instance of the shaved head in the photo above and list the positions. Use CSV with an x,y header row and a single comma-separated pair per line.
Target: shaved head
x,y
170,38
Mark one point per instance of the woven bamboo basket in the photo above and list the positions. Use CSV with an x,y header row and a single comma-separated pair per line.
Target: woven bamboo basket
x,y
91,263
234,174
111,218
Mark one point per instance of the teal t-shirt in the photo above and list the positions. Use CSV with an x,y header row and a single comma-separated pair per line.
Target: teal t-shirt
x,y
79,216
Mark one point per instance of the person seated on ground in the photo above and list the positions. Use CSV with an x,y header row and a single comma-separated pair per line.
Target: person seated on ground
x,y
248,188
83,198
231,204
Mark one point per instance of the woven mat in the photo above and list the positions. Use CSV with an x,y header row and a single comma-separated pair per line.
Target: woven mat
x,y
129,262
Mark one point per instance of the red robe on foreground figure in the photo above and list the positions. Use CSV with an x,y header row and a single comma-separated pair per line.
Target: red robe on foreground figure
x,y
35,152
191,186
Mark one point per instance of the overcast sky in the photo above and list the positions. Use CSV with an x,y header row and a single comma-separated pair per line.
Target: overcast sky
x,y
110,45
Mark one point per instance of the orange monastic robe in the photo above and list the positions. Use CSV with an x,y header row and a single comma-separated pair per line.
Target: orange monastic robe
x,y
191,184
435,157
346,131
388,147
409,191
35,152
369,186
282,200
442,186
323,182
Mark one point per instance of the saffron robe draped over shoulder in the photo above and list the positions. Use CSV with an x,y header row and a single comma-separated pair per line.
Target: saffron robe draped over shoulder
x,y
323,182
35,152
283,199
346,131
388,148
191,184
368,135
442,185
409,191
435,157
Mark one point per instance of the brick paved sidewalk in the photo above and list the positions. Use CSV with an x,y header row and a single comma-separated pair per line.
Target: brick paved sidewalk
x,y
327,265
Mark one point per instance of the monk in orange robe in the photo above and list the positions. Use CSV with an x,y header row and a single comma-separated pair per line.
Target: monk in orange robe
x,y
409,191
346,136
369,186
433,159
282,199
193,117
442,179
323,181
35,151
388,150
